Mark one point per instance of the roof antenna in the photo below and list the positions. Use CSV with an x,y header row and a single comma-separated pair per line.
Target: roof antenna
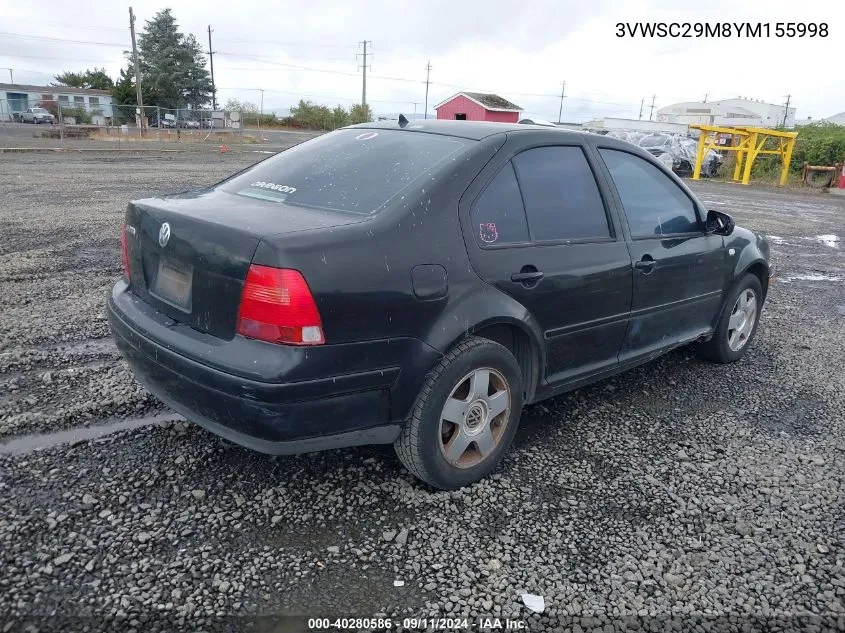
x,y
402,120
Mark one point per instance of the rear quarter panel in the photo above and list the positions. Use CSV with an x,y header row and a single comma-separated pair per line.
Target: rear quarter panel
x,y
360,274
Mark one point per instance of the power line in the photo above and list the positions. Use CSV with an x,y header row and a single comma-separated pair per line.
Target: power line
x,y
87,27
316,96
55,59
27,70
405,79
297,67
297,44
58,39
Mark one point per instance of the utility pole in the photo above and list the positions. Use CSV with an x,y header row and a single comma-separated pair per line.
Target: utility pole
x,y
137,70
261,115
11,74
651,112
427,81
705,97
642,101
364,86
786,110
211,61
562,95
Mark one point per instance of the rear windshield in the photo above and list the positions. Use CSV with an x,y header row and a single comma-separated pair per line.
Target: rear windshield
x,y
355,170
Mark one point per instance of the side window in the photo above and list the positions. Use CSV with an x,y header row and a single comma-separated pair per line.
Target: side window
x,y
562,199
498,216
653,203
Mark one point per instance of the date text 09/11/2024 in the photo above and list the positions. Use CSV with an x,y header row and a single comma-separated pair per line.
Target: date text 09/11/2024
x,y
422,624
747,30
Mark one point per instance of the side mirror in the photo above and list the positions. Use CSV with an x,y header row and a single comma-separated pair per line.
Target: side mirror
x,y
719,223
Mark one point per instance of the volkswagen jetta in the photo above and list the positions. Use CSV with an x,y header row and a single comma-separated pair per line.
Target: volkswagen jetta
x,y
418,284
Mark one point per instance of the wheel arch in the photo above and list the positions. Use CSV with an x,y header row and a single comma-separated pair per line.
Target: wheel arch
x,y
519,339
760,269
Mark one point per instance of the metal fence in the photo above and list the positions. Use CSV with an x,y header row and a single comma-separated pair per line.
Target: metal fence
x,y
64,121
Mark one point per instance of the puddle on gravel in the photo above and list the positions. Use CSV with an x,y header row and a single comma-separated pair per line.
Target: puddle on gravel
x,y
29,443
91,346
828,240
810,277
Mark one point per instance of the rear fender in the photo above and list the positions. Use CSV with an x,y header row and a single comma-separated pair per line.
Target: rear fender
x,y
481,307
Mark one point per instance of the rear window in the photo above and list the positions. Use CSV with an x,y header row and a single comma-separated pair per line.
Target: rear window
x,y
355,170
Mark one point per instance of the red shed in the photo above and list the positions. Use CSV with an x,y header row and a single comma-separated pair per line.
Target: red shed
x,y
477,106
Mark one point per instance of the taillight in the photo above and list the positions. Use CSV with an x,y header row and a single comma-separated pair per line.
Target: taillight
x,y
127,271
277,306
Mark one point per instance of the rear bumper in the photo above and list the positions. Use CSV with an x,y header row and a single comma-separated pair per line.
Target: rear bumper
x,y
336,397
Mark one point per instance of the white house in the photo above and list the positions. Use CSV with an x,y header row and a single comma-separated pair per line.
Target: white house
x,y
19,97
838,119
728,112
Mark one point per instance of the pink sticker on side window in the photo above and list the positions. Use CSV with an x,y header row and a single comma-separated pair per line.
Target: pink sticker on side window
x,y
488,232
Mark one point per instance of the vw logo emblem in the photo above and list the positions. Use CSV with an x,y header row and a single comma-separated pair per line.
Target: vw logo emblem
x,y
164,235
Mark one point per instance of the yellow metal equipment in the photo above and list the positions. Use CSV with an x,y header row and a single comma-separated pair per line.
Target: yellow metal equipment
x,y
748,144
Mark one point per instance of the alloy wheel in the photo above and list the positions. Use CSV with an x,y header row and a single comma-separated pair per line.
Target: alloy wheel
x,y
474,417
742,319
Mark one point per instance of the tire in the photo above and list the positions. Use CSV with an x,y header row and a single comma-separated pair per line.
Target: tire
x,y
729,344
423,444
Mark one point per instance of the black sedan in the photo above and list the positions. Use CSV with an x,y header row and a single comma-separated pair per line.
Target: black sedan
x,y
418,284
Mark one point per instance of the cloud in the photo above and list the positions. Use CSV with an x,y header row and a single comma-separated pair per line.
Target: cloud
x,y
519,50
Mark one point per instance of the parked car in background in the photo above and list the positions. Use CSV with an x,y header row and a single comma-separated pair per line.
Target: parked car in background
x,y
419,284
38,115
536,121
17,116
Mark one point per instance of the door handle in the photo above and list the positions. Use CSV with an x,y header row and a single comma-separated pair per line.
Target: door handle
x,y
646,264
527,277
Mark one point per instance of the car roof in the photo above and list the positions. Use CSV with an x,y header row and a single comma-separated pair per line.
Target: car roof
x,y
475,130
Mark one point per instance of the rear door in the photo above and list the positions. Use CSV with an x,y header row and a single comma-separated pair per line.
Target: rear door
x,y
679,269
541,231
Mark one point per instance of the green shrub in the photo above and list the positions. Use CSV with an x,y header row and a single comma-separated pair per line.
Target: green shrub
x,y
79,113
818,144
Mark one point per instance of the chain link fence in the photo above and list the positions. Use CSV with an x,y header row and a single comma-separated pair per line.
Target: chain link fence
x,y
123,126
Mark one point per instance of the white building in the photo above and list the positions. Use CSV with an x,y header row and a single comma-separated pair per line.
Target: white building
x,y
615,123
728,112
19,97
838,119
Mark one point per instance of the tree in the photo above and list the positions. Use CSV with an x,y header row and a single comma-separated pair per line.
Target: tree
x,y
244,107
340,117
123,91
360,114
172,64
95,78
194,78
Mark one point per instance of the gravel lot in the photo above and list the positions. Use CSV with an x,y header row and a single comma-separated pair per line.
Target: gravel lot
x,y
680,493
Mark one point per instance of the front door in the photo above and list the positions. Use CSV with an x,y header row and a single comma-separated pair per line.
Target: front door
x,y
679,269
541,232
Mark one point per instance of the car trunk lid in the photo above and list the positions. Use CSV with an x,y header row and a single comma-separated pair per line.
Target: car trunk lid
x,y
189,254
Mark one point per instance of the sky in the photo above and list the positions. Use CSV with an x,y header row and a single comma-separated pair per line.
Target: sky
x,y
523,51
